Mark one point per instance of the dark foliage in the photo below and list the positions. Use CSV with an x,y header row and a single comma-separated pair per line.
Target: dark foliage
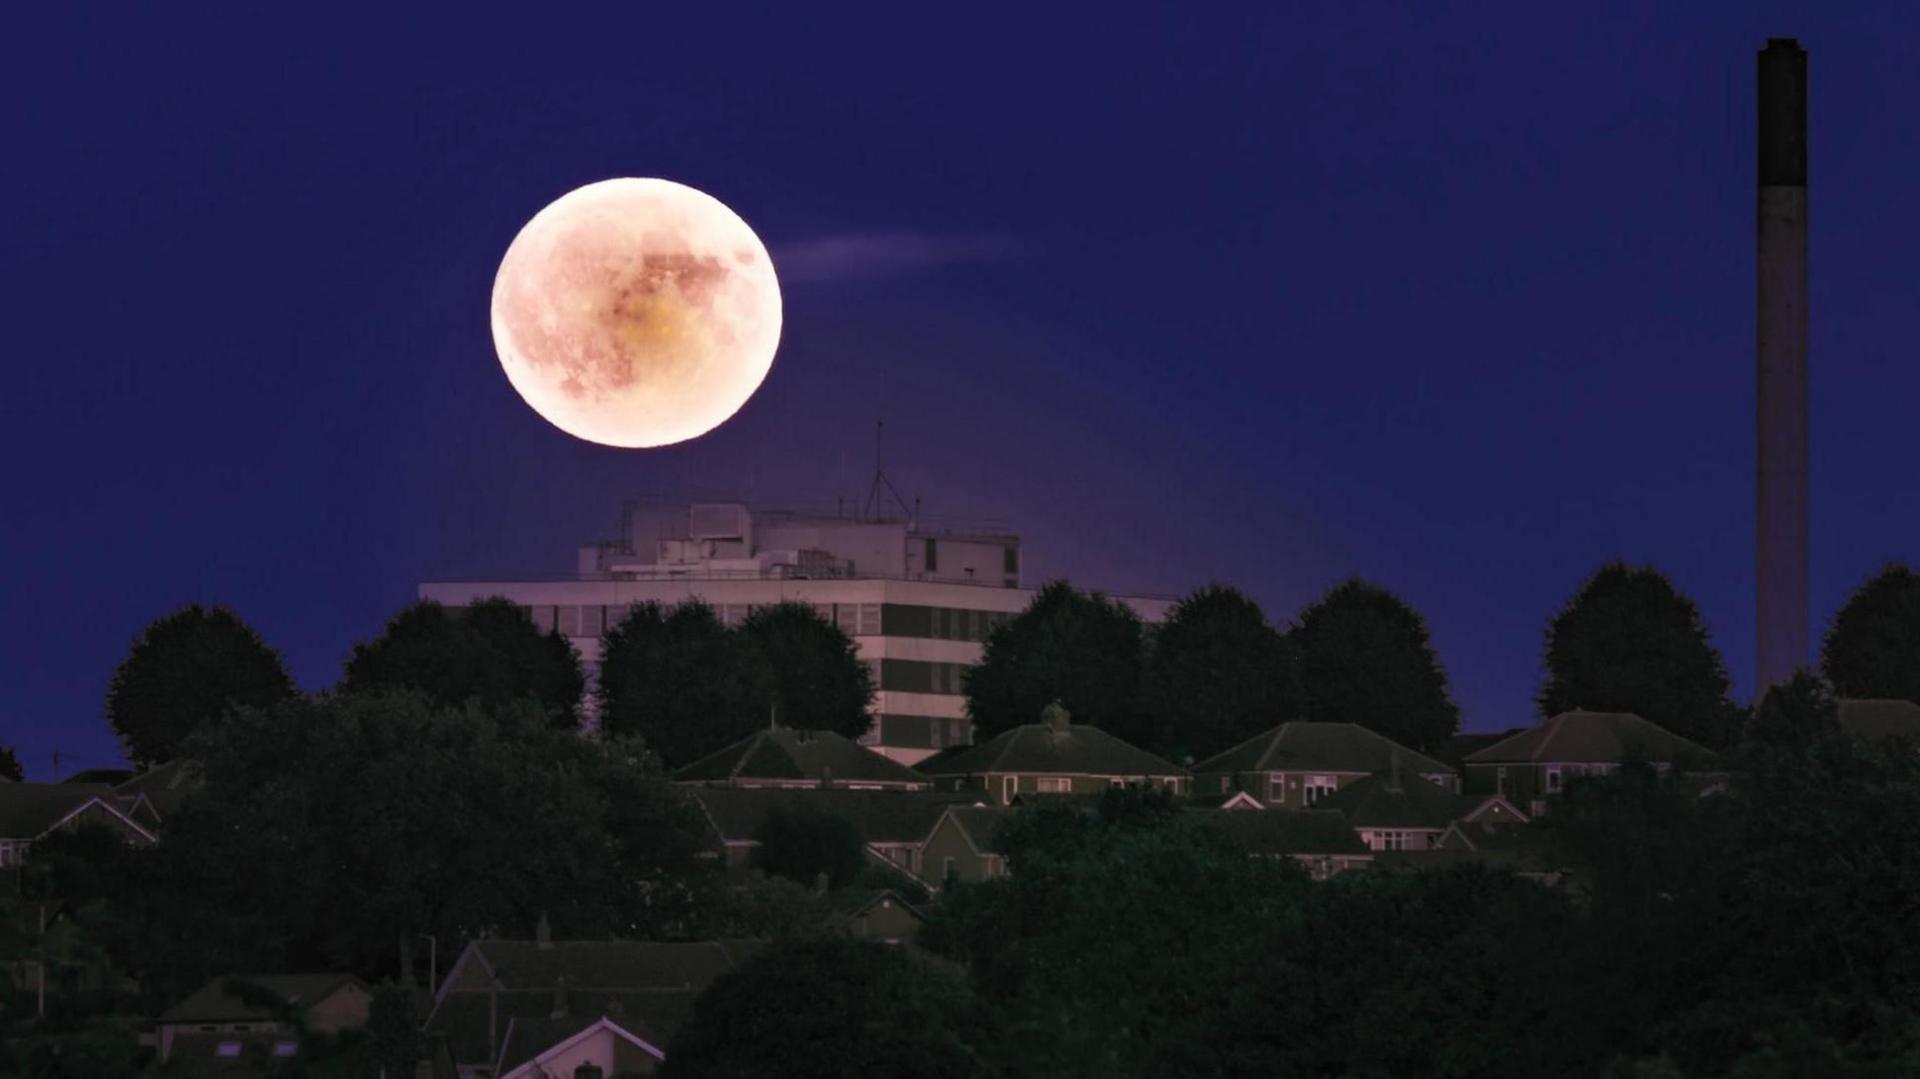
x,y
834,1007
820,681
1079,648
489,653
681,681
1873,647
184,672
1365,659
1628,641
1217,674
10,765
800,844
392,1031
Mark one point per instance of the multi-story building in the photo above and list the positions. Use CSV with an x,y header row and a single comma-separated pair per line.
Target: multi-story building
x,y
918,595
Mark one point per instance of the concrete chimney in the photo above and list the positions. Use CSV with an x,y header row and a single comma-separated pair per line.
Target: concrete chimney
x,y
1781,353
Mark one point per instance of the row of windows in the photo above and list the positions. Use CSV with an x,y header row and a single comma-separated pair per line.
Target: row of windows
x,y
591,620
918,732
920,676
13,853
941,623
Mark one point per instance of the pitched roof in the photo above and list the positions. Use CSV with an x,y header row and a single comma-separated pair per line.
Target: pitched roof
x,y
850,903
1876,718
883,816
1284,831
791,755
1069,749
166,786
978,823
31,810
1382,801
1458,748
1593,738
211,1003
532,1038
1319,747
464,1018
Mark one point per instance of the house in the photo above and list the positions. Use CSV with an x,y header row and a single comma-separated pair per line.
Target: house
x,y
506,1004
30,811
1391,811
875,914
1518,848
1529,766
220,1021
1879,719
895,824
789,758
1321,840
961,846
1055,756
165,787
1296,764
1231,800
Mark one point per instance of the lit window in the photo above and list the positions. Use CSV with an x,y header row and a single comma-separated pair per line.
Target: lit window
x,y
284,1049
1389,841
1055,785
227,1049
1224,780
1553,778
1319,787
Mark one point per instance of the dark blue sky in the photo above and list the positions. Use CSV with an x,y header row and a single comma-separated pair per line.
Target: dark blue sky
x,y
1460,300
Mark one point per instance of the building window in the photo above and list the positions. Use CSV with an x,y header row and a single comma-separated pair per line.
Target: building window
x,y
1225,781
1277,789
869,620
1390,841
6,853
1553,778
946,868
227,1049
1318,787
991,865
1054,785
933,555
1009,786
1500,780
1010,561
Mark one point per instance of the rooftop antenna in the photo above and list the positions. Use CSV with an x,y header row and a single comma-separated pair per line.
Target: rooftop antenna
x,y
881,483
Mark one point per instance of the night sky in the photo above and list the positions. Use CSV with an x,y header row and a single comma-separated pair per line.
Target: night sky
x,y
1461,301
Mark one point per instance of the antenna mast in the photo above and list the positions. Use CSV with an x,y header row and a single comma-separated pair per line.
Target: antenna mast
x,y
881,484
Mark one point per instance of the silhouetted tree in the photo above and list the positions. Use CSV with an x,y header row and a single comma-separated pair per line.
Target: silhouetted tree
x,y
1217,674
682,681
185,671
10,765
1628,641
489,652
1365,659
393,1032
800,843
1079,648
835,1006
1873,646
820,681
1793,715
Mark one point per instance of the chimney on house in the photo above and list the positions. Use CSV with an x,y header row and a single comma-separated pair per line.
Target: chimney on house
x,y
543,932
1056,718
1780,345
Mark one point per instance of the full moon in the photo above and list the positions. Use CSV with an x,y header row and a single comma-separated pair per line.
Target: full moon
x,y
636,312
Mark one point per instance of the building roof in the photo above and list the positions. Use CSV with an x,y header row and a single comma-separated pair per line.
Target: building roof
x,y
1319,747
165,786
1285,831
1458,748
1409,801
884,816
790,755
978,824
211,1003
1876,718
1061,748
31,810
1596,738
849,903
529,1040
524,1025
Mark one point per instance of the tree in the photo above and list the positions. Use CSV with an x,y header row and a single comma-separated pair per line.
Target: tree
x,y
681,681
489,652
184,672
10,765
1217,674
1079,648
1873,647
834,1006
803,842
1628,641
820,681
393,1031
1793,716
1365,659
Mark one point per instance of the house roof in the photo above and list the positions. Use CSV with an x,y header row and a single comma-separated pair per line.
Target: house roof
x,y
1458,748
211,1003
530,1039
1319,747
1516,839
1063,749
1580,737
883,816
791,755
1382,801
463,1018
1876,718
166,786
1285,831
31,810
977,824
850,903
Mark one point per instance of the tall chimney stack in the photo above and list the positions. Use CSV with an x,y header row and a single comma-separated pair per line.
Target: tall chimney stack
x,y
1781,352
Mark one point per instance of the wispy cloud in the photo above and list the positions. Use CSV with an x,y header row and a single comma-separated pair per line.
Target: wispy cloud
x,y
864,255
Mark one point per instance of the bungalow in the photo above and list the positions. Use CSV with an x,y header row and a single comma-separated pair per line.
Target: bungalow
x,y
220,1021
1055,756
1528,767
1296,764
786,758
31,811
1396,812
